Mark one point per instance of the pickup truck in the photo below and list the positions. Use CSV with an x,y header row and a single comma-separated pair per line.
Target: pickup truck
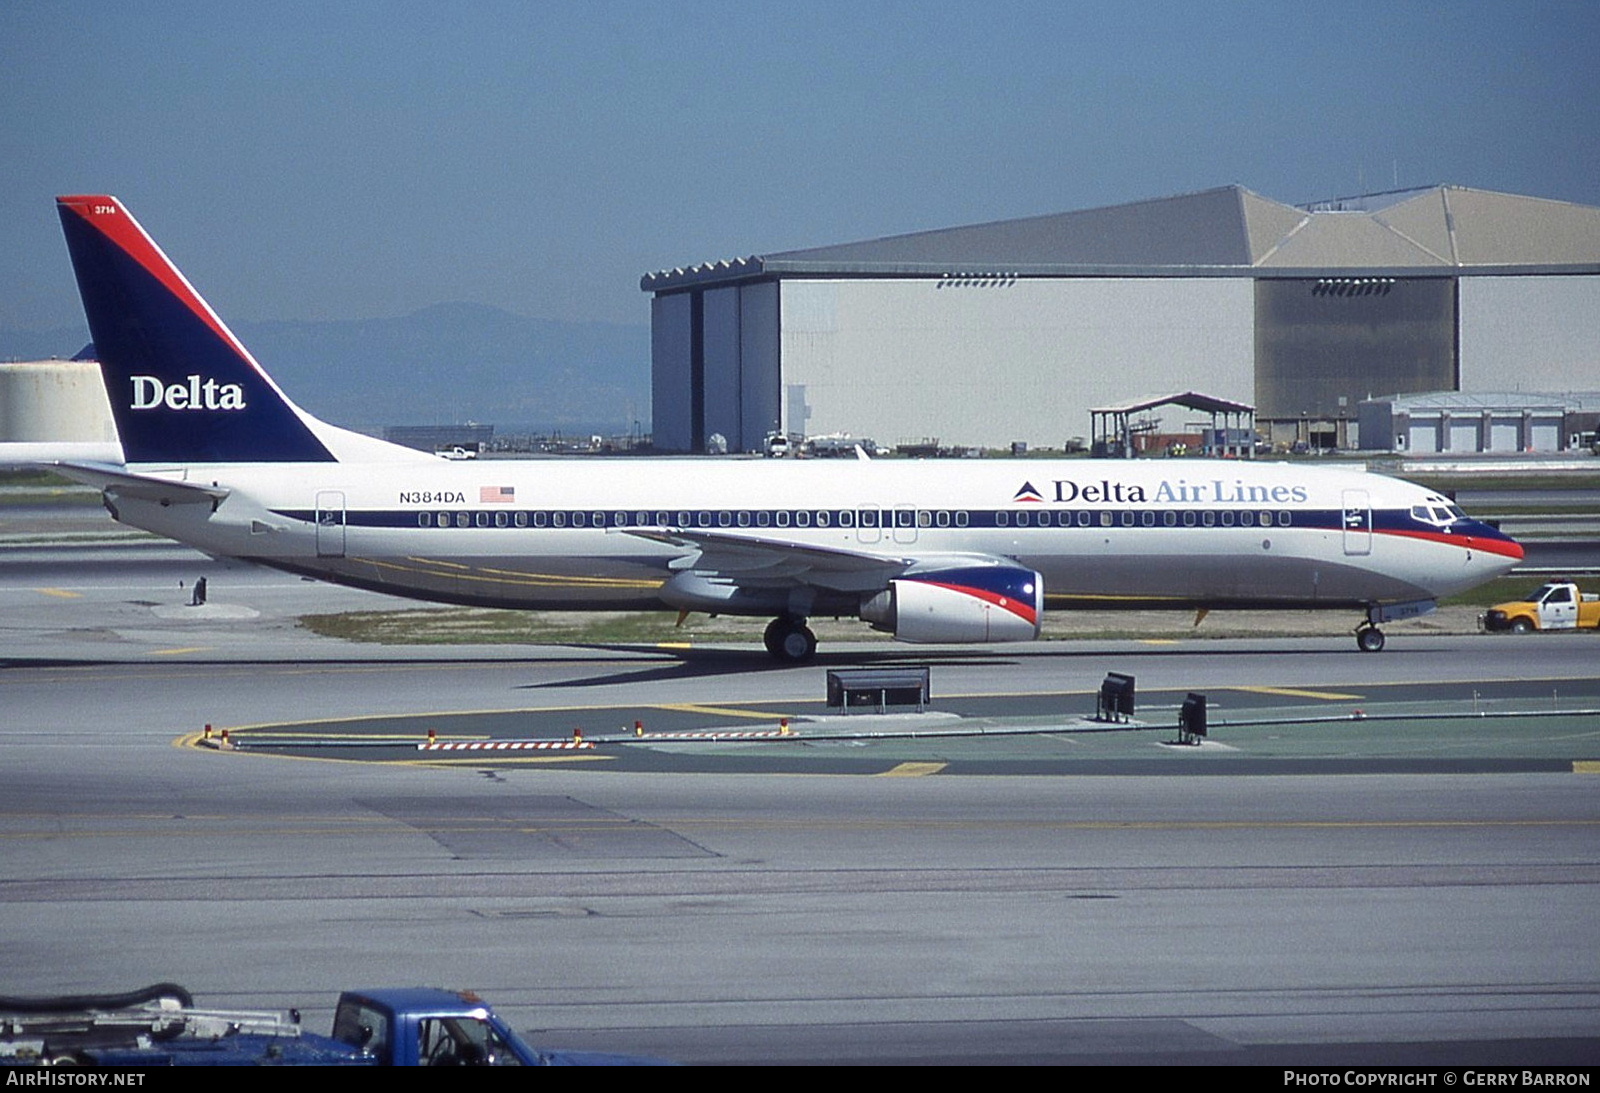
x,y
160,1026
1556,605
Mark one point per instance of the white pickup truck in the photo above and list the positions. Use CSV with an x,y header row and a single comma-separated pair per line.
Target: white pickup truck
x,y
1555,605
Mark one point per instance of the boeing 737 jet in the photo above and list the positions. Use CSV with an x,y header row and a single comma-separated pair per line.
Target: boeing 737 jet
x,y
217,456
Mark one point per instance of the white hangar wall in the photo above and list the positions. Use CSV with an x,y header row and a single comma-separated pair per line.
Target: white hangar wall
x,y
993,360
1530,333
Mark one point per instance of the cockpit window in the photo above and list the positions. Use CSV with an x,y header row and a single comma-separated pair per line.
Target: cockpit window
x,y
1437,513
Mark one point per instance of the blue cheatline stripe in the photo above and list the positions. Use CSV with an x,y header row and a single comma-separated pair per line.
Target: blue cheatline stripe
x,y
789,520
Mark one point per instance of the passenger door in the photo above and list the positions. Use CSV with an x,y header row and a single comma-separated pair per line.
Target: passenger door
x,y
1357,521
330,523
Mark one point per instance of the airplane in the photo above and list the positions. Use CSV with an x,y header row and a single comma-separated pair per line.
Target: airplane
x,y
215,455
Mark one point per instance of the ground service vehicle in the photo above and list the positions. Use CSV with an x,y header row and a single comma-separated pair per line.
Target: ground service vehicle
x,y
1555,605
160,1026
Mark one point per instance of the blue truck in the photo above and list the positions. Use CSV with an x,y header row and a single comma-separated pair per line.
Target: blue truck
x,y
161,1026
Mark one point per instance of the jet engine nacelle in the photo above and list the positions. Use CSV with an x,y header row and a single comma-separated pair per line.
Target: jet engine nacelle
x,y
971,603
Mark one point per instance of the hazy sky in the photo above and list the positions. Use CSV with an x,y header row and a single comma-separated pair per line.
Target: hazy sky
x,y
332,160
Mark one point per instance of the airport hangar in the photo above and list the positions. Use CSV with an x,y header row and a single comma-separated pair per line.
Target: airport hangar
x,y
1014,330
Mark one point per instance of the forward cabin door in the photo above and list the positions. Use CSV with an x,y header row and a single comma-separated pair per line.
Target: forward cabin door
x,y
1357,522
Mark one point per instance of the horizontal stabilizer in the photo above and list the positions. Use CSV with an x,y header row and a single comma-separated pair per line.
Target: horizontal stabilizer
x,y
145,487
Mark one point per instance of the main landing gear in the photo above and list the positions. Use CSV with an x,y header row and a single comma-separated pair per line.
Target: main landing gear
x,y
789,639
1369,639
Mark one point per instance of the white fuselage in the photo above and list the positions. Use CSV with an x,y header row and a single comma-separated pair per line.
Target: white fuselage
x,y
563,533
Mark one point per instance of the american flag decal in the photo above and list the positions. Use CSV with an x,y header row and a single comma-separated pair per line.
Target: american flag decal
x,y
497,495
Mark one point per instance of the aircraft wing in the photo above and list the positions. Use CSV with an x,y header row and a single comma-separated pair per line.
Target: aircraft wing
x,y
145,487
753,559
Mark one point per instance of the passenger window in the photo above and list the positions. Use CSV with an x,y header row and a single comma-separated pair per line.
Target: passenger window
x,y
521,519
501,520
1148,519
1188,519
961,518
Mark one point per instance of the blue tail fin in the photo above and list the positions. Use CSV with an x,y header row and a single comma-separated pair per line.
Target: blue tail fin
x,y
182,387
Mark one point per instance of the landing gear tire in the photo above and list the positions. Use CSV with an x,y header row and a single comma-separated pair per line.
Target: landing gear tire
x,y
789,639
1369,639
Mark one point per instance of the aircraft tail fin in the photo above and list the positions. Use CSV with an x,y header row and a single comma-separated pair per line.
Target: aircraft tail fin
x,y
183,388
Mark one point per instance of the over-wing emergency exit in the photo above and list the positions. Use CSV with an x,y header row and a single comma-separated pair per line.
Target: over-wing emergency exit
x,y
217,456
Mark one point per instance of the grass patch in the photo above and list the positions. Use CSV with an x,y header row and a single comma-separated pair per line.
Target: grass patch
x,y
485,626
32,478
85,496
1499,590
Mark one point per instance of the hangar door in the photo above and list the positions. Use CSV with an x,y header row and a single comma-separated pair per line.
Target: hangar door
x,y
1324,344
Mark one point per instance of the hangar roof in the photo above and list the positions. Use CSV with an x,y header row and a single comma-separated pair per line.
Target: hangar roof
x,y
1225,232
1503,401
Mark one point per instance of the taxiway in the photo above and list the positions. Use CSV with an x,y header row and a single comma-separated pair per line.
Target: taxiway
x,y
720,916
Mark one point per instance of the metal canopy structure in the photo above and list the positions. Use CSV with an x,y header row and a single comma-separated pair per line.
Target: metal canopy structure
x,y
1232,432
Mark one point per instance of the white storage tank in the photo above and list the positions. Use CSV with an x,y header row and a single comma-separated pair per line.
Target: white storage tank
x,y
54,401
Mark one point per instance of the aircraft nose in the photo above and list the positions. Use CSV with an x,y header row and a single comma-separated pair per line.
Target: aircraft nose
x,y
1491,540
